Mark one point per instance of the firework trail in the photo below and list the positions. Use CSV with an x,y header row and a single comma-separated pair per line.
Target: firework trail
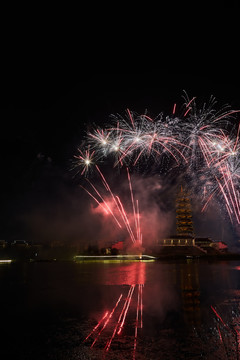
x,y
113,205
200,143
134,137
223,166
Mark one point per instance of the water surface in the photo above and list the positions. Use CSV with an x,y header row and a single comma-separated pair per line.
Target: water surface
x,y
166,310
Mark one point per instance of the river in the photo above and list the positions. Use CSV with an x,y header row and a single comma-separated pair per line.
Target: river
x,y
120,310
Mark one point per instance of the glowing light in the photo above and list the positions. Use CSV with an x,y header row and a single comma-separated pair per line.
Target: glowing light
x,y
112,322
196,143
119,209
97,326
107,320
200,141
140,257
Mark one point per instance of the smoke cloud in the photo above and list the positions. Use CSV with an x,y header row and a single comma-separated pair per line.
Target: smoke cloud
x,y
58,210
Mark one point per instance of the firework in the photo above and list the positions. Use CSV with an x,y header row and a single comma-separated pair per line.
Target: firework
x,y
134,137
199,143
84,160
113,205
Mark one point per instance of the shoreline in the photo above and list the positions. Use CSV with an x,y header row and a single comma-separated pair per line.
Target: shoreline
x,y
144,257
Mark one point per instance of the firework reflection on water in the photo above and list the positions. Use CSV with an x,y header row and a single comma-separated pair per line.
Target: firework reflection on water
x,y
117,323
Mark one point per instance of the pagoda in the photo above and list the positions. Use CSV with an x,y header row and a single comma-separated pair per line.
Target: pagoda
x,y
184,222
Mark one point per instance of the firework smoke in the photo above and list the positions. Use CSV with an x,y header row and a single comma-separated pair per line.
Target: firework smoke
x,y
198,145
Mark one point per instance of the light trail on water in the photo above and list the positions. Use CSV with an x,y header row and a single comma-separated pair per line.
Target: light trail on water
x,y
112,323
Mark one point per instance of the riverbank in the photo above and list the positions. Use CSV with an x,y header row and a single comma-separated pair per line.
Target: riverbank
x,y
208,257
166,255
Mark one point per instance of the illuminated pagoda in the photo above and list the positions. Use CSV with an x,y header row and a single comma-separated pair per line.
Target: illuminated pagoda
x,y
184,222
184,243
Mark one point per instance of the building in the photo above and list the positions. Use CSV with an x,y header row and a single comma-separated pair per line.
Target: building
x,y
184,242
179,240
184,222
204,242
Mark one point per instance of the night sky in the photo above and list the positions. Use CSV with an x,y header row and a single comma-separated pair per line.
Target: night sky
x,y
53,91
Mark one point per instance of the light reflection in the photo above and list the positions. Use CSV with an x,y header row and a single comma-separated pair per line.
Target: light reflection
x,y
117,257
5,261
115,319
190,286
